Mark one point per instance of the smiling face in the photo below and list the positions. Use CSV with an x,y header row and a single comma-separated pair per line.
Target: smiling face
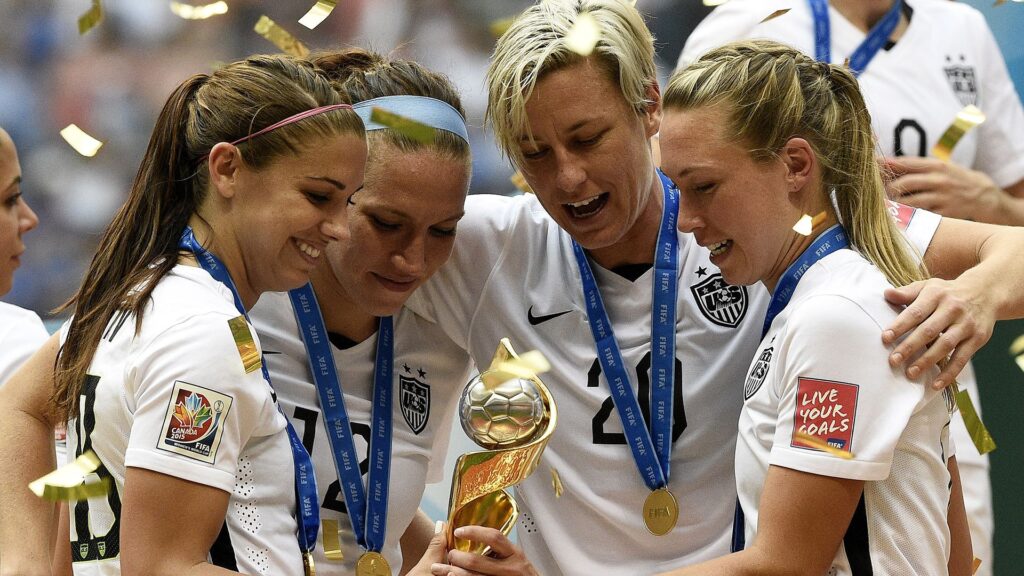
x,y
590,162
285,214
739,208
16,218
402,227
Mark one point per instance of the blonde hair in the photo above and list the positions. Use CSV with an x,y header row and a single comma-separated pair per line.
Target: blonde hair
x,y
771,93
535,45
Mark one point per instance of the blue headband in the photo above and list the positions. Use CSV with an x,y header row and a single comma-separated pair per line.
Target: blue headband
x,y
429,111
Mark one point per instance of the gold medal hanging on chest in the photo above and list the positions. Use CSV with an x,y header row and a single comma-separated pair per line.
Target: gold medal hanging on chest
x,y
372,564
308,568
661,512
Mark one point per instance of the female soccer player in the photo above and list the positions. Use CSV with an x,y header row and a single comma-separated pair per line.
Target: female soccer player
x,y
159,372
403,224
535,268
841,463
21,331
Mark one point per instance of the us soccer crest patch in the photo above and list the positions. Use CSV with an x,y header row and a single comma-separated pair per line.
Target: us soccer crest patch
x,y
193,425
720,302
962,80
827,410
758,373
414,399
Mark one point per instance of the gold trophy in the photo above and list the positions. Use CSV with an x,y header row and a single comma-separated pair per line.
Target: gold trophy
x,y
509,412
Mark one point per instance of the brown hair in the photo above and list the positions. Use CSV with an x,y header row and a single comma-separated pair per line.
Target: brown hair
x,y
141,243
771,93
363,75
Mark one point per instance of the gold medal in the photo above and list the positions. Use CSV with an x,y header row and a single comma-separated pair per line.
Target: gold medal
x,y
661,512
372,564
307,564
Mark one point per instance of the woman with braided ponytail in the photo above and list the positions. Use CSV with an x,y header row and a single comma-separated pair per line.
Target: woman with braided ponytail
x,y
159,372
843,464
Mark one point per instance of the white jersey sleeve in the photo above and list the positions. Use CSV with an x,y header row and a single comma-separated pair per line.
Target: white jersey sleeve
x,y
853,401
21,334
189,376
1001,145
726,23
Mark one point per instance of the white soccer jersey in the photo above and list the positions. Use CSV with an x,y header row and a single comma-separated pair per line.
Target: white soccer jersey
x,y
430,372
513,274
21,334
176,399
822,369
946,59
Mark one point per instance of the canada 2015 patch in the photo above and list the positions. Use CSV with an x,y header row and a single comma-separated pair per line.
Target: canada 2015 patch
x,y
194,422
827,410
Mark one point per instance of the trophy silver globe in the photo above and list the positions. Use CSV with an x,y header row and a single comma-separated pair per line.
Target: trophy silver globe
x,y
504,416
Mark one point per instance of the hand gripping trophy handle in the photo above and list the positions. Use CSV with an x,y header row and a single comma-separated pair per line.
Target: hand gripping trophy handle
x,y
478,494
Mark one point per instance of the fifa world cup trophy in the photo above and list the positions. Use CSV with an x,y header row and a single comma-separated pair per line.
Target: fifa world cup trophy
x,y
509,412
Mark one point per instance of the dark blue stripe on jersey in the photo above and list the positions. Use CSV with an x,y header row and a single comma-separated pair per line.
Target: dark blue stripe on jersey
x,y
858,549
222,554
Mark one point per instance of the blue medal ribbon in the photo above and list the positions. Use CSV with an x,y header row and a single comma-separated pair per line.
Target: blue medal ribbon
x,y
368,515
874,41
651,457
306,494
827,242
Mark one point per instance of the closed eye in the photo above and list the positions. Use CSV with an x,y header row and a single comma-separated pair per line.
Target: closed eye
x,y
12,200
443,232
317,198
382,224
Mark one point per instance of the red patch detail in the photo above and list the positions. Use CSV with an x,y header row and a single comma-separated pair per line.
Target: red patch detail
x,y
901,214
826,410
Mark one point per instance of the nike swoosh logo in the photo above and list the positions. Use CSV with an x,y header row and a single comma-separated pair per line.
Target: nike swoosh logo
x,y
535,320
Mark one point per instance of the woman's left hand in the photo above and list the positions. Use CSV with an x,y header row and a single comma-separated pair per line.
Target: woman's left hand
x,y
506,558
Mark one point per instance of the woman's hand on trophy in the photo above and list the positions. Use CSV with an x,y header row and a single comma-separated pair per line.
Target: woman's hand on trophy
x,y
505,559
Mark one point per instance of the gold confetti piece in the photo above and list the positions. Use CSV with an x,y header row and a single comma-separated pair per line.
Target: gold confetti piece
x,y
280,37
520,182
815,442
405,126
321,10
332,541
92,17
584,35
69,481
966,119
527,365
499,27
979,434
1017,350
805,225
977,564
556,482
775,15
189,12
82,143
247,351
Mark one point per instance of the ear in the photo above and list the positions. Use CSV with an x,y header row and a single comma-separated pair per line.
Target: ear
x,y
801,164
225,162
652,113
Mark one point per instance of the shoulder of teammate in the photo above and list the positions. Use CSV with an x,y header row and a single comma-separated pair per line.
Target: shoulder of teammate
x,y
731,21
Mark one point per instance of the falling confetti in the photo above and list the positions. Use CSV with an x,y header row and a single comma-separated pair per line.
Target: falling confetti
x,y
815,442
556,482
405,126
189,12
805,225
69,481
775,15
91,18
519,181
280,37
966,119
82,143
584,35
318,13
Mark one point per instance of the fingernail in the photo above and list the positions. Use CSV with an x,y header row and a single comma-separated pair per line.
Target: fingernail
x,y
460,531
438,526
896,359
938,384
888,335
913,372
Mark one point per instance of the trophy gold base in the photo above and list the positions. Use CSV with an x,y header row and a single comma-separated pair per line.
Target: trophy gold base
x,y
496,510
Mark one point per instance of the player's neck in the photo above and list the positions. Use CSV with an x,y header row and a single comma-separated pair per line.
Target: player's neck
x,y
340,312
227,251
637,245
797,245
864,14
